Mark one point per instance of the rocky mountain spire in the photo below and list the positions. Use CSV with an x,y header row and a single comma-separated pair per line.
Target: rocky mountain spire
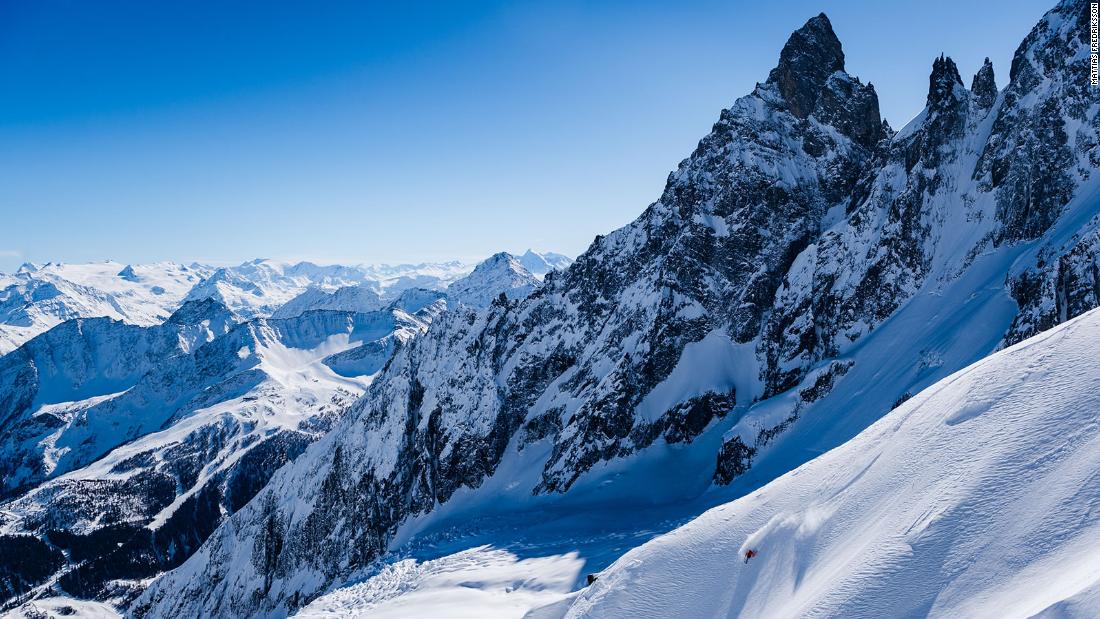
x,y
811,55
948,104
943,81
984,86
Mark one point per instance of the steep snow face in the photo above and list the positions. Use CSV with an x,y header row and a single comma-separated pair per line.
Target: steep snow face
x,y
969,500
38,297
500,274
803,272
132,462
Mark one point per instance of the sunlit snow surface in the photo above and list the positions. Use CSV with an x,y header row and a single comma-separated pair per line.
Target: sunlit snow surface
x,y
481,582
977,498
62,607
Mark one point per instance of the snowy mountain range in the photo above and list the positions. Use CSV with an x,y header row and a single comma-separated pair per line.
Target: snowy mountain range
x,y
741,344
37,297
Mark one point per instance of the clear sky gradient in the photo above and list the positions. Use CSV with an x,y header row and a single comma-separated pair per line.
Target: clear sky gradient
x,y
399,131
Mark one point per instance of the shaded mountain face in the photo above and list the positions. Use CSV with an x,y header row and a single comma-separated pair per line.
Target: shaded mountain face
x,y
803,271
124,446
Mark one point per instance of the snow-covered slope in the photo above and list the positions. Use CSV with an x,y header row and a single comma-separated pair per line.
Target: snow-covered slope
x,y
36,298
972,499
804,270
260,287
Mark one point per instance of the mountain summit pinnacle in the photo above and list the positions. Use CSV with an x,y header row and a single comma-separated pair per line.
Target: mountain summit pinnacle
x,y
810,56
984,86
943,80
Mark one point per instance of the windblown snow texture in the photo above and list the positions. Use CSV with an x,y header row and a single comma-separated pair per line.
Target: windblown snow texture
x,y
969,500
804,271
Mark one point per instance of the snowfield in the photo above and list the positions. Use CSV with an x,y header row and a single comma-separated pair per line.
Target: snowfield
x,y
976,498
480,583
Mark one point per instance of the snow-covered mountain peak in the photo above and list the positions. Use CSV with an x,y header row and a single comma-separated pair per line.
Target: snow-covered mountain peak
x,y
195,311
501,273
32,301
360,298
539,264
128,273
414,300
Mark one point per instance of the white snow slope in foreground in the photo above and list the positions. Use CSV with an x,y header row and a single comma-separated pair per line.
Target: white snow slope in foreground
x,y
976,498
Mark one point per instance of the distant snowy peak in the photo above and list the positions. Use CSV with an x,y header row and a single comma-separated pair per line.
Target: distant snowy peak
x,y
414,300
361,298
36,298
393,279
264,287
499,274
539,264
260,287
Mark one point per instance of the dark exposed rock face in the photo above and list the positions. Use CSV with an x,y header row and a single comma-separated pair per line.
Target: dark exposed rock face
x,y
810,56
852,108
800,224
1031,157
984,86
946,95
1064,284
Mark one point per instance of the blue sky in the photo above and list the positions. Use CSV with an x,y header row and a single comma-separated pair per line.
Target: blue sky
x,y
399,131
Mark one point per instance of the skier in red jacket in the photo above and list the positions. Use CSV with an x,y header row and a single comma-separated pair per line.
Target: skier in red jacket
x,y
750,553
